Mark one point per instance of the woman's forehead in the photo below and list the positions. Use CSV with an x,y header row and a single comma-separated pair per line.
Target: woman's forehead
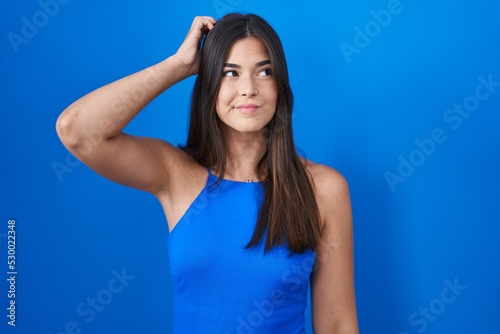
x,y
247,50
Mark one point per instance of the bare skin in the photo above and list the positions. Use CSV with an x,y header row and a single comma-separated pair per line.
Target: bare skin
x,y
91,129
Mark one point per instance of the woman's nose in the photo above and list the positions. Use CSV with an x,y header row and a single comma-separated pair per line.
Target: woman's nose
x,y
248,86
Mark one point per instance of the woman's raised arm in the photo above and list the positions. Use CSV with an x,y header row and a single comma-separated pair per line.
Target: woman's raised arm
x,y
91,127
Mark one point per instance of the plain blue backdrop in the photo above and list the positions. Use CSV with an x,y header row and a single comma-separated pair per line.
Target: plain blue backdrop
x,y
394,95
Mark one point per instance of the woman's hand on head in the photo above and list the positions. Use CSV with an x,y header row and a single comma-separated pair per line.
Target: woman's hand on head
x,y
189,51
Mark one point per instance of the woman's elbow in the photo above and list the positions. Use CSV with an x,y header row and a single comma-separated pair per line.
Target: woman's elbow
x,y
66,130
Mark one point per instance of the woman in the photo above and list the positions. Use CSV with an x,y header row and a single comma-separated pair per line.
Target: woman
x,y
250,222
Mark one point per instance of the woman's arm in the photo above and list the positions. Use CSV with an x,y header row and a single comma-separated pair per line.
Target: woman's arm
x,y
332,280
91,128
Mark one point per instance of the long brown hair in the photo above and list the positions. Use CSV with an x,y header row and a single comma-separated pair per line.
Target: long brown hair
x,y
289,213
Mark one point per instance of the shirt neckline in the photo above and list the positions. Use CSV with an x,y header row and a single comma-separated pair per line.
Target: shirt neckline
x,y
229,180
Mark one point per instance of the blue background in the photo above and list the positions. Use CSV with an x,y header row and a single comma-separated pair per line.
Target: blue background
x,y
360,114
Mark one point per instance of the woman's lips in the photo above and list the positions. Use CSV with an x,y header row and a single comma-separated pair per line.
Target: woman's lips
x,y
247,108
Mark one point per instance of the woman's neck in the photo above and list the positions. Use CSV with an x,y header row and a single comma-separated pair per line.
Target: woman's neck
x,y
243,153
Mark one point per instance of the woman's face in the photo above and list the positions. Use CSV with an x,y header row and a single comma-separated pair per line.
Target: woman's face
x,y
247,96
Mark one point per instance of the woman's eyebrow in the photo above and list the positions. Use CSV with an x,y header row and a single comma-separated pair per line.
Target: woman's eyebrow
x,y
259,64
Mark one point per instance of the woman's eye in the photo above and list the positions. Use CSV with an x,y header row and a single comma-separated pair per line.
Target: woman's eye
x,y
266,72
230,73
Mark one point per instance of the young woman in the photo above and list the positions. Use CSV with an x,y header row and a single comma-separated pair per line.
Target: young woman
x,y
251,223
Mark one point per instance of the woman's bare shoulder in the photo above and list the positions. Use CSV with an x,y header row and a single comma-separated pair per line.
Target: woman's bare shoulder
x,y
325,179
331,191
184,170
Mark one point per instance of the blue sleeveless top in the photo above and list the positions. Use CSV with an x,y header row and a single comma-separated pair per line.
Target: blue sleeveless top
x,y
221,287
